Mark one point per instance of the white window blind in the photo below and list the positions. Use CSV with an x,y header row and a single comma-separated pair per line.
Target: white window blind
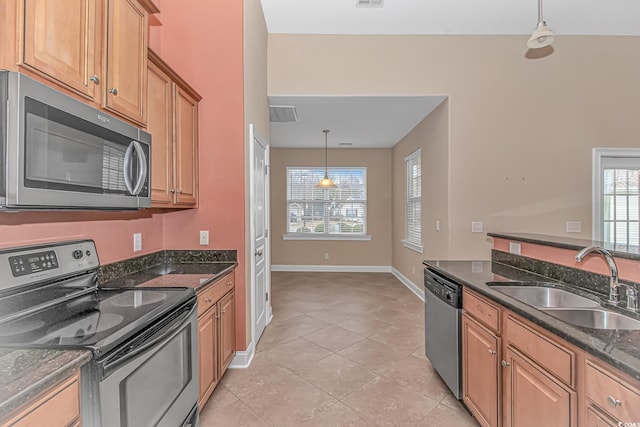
x,y
620,200
414,199
334,211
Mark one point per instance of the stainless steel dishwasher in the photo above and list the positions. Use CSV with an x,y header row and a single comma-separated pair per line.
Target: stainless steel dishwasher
x,y
443,310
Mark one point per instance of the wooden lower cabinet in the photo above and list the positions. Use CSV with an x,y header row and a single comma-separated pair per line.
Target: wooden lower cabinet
x,y
533,398
480,371
595,419
216,334
58,407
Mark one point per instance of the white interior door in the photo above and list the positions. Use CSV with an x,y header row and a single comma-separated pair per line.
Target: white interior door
x,y
260,233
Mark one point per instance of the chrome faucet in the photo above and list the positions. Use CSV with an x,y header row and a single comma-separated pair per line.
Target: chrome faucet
x,y
632,296
614,297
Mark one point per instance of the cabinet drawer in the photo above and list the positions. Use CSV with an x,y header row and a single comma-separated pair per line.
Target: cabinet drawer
x,y
611,393
60,407
555,358
482,310
212,294
595,419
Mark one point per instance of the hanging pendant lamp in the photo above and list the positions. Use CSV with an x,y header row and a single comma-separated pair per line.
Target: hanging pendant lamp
x,y
542,36
326,182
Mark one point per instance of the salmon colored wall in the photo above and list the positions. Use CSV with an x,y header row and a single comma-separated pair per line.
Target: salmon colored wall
x,y
202,41
627,269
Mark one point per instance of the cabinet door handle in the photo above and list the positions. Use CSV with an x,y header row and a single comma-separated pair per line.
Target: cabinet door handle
x,y
259,252
95,79
113,90
505,364
492,352
173,190
223,311
613,402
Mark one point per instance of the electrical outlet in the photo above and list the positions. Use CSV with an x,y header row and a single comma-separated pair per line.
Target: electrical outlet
x,y
476,266
326,255
204,237
437,225
137,242
476,226
514,248
574,226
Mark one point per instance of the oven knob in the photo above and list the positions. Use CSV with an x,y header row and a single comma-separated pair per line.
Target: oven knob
x,y
77,254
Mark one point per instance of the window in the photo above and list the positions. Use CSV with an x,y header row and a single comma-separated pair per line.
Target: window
x,y
616,197
330,213
413,238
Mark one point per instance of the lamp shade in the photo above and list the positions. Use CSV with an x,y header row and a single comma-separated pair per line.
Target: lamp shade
x,y
326,182
541,37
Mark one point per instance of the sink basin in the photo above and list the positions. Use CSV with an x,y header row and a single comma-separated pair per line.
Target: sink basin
x,y
545,297
594,318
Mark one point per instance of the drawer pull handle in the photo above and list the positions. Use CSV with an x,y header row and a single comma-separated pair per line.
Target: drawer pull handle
x,y
613,402
229,283
505,364
492,352
208,300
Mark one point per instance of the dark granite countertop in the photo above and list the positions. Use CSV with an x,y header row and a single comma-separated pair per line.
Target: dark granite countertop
x,y
619,348
26,373
195,275
620,251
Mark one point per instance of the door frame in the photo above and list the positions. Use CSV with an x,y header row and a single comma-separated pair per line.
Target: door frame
x,y
254,136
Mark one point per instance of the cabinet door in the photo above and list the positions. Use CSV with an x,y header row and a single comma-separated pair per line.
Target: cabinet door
x,y
208,353
160,126
480,372
533,398
61,41
227,330
186,147
126,60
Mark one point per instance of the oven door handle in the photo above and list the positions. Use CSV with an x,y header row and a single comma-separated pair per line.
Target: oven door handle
x,y
110,364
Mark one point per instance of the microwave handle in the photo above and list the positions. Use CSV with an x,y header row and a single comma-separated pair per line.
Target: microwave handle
x,y
142,168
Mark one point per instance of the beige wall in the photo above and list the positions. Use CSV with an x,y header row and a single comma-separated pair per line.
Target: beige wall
x,y
520,130
431,136
376,252
256,112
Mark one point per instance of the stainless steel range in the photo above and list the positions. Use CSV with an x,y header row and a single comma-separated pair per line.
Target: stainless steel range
x,y
144,370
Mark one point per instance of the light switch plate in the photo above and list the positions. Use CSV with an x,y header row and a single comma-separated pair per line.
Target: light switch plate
x,y
476,226
204,237
137,242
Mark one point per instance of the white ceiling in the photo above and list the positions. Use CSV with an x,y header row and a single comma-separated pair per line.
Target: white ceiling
x,y
383,121
364,121
578,17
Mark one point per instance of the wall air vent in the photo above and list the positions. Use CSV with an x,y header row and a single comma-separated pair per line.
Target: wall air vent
x,y
282,113
345,144
369,3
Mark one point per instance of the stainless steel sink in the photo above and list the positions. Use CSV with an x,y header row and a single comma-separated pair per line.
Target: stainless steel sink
x,y
594,318
545,297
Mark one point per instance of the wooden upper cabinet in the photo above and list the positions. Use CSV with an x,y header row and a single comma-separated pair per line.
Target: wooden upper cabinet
x,y
173,124
61,40
160,126
186,129
126,60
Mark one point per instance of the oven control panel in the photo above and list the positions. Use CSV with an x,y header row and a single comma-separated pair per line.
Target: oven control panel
x,y
22,265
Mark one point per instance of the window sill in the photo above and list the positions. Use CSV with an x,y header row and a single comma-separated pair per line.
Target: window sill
x,y
310,236
413,246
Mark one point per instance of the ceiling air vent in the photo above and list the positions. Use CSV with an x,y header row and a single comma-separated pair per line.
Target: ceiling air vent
x,y
282,113
369,3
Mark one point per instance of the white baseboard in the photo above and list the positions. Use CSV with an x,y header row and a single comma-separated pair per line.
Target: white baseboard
x,y
418,290
243,359
334,268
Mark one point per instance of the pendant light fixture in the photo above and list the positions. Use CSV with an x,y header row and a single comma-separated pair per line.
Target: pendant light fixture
x,y
542,36
326,182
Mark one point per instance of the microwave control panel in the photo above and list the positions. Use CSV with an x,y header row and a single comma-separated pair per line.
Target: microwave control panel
x,y
22,265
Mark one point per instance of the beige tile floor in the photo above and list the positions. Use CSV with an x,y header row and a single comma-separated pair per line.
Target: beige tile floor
x,y
343,349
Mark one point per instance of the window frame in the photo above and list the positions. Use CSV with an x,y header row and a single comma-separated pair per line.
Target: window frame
x,y
326,235
408,242
599,156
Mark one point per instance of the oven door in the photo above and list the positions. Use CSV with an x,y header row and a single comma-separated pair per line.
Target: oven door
x,y
153,381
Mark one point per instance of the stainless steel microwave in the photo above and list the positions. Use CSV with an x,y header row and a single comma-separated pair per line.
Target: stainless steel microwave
x,y
59,153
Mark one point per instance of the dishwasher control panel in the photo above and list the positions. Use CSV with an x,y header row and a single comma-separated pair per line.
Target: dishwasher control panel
x,y
448,291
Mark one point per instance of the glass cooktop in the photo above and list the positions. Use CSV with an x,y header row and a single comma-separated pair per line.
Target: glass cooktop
x,y
97,321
